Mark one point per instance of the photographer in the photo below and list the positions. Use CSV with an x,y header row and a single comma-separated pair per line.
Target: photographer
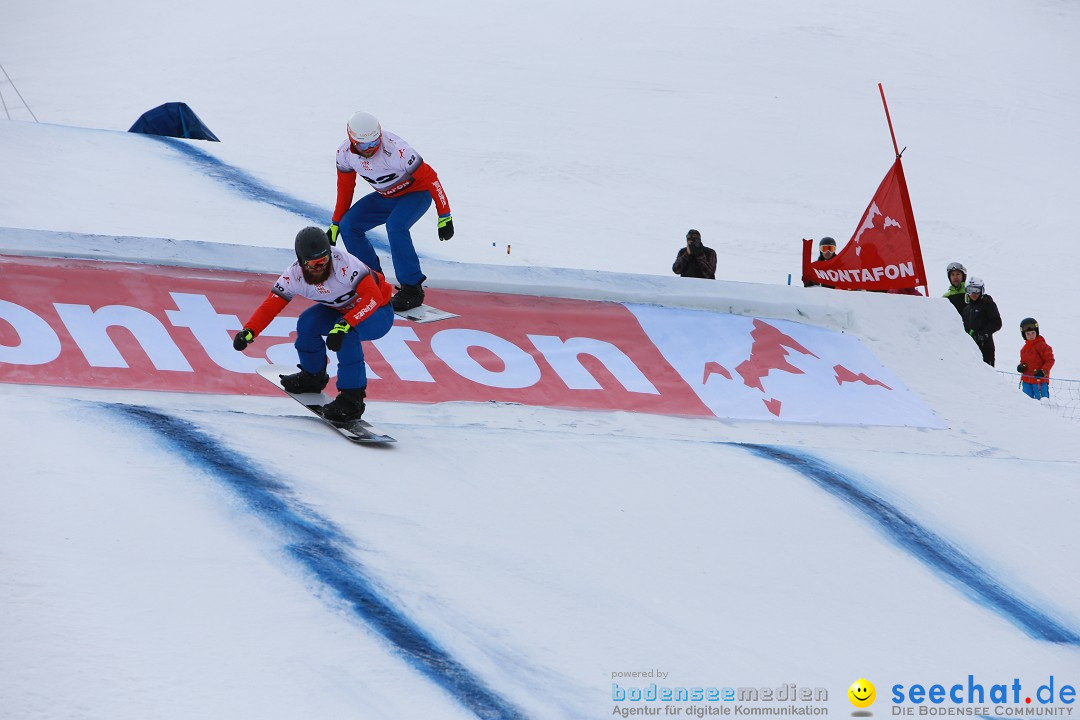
x,y
695,260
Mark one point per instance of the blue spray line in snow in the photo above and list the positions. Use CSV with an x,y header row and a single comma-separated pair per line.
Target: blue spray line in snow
x,y
928,547
250,187
322,549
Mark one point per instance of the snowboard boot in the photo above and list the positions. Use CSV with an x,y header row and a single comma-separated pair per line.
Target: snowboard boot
x,y
346,407
408,297
304,382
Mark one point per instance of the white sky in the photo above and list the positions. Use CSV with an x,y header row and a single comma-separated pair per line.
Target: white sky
x,y
545,549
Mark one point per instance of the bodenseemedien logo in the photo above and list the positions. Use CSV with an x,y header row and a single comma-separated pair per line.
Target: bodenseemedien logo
x,y
862,695
700,701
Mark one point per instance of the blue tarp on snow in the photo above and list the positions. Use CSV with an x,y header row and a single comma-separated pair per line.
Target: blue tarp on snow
x,y
173,119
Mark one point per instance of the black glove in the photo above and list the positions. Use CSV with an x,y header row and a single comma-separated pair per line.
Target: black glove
x,y
446,227
332,233
1039,373
336,336
242,339
697,249
1021,367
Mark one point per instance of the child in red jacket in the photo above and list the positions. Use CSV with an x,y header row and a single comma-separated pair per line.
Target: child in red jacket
x,y
1036,359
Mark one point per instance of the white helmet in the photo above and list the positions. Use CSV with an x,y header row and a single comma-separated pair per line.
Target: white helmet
x,y
976,285
364,130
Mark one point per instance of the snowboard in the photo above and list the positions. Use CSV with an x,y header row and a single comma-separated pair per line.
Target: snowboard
x,y
424,314
357,431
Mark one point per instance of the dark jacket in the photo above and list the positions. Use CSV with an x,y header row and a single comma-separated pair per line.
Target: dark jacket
x,y
702,265
981,321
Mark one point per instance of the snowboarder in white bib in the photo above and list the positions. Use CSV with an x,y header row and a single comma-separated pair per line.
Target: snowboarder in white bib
x,y
404,188
352,304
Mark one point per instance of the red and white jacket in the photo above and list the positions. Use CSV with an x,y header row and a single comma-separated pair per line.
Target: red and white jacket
x,y
395,169
353,288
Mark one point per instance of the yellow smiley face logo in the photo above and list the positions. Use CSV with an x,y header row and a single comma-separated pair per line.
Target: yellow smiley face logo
x,y
862,693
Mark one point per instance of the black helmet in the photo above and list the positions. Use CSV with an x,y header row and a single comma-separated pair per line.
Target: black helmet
x,y
956,266
827,241
1029,324
312,244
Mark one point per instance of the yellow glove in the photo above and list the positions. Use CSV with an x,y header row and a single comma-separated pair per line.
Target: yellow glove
x,y
446,227
336,336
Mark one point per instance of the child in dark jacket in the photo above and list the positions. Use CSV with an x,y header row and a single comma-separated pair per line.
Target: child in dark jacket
x,y
1036,359
981,318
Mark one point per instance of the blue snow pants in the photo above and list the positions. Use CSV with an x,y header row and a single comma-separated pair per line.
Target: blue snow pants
x,y
399,214
1036,390
317,320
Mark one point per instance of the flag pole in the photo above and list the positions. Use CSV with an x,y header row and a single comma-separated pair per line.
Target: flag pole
x,y
888,118
906,199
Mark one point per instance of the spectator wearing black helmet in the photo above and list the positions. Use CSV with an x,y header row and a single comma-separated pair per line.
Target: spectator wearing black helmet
x,y
826,251
695,260
981,318
957,293
1036,359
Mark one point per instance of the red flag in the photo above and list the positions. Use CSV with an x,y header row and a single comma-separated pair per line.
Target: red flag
x,y
884,252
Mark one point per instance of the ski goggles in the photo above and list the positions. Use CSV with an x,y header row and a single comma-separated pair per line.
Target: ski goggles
x,y
317,263
828,248
360,147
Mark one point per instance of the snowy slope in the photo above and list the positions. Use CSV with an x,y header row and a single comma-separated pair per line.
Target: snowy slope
x,y
535,551
147,579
